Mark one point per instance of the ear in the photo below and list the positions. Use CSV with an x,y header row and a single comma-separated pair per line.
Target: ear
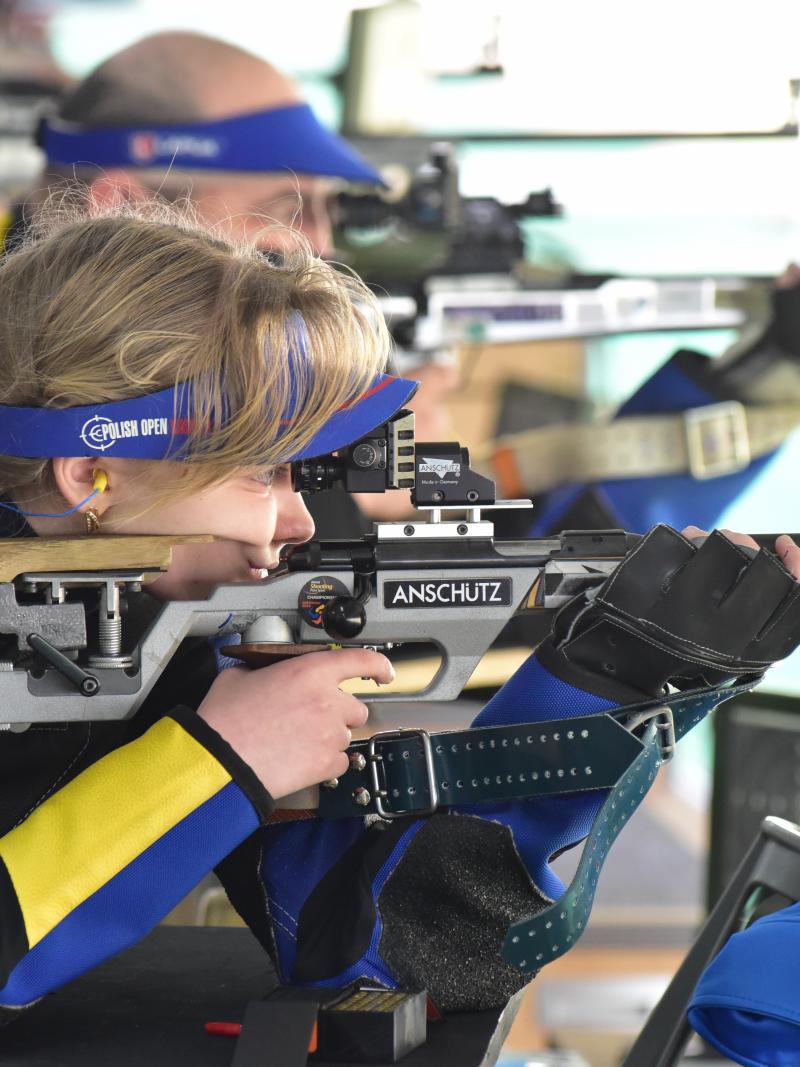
x,y
114,187
76,479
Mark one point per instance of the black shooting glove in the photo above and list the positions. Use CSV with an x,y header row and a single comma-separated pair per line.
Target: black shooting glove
x,y
675,613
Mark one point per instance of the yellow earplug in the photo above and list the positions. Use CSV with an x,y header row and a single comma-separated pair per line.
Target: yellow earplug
x,y
100,480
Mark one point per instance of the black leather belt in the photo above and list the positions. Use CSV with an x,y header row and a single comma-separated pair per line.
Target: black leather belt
x,y
409,772
405,773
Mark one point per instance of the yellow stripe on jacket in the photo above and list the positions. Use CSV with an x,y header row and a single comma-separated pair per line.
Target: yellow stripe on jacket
x,y
86,833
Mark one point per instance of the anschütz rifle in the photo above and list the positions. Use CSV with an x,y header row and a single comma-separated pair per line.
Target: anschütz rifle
x,y
70,648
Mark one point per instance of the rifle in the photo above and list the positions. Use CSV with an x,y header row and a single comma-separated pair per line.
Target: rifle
x,y
72,647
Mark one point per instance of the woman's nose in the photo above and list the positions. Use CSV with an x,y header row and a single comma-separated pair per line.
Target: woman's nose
x,y
294,524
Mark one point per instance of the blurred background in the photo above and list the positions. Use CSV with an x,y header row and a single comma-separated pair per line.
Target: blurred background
x,y
575,193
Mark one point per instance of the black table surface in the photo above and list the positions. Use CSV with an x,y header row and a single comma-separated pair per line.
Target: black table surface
x,y
148,1006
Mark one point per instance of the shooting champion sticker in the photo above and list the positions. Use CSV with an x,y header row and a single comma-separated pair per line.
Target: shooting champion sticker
x,y
315,595
447,593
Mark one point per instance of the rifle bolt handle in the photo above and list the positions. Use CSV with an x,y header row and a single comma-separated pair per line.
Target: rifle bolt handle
x,y
345,617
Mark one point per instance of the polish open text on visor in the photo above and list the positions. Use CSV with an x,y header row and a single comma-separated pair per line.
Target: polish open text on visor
x,y
157,425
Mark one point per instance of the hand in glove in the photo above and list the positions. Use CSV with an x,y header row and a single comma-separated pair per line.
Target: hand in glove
x,y
676,613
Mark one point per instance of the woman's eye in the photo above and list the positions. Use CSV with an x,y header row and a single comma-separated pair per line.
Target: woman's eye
x,y
266,477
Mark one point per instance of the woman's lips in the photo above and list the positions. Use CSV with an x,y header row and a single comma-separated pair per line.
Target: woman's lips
x,y
259,571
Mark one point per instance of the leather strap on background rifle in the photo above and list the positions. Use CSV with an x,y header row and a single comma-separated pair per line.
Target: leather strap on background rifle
x,y
706,442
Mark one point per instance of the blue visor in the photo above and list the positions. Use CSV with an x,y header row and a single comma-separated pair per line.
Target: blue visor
x,y
158,425
284,139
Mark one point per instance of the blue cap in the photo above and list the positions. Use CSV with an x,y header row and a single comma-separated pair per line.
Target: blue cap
x,y
281,139
156,426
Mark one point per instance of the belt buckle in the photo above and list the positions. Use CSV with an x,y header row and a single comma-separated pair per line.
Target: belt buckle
x,y
665,728
717,440
665,725
375,761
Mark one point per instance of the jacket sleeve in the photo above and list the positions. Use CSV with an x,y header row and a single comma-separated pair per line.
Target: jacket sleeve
x,y
94,867
420,903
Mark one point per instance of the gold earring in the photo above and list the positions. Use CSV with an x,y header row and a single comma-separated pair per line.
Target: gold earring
x,y
92,520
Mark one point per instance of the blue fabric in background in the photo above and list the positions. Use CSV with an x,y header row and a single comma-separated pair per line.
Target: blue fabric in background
x,y
747,1004
637,504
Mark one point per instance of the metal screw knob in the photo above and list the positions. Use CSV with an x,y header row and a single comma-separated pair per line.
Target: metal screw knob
x,y
331,783
361,796
358,761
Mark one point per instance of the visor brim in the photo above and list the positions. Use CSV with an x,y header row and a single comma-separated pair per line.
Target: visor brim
x,y
385,397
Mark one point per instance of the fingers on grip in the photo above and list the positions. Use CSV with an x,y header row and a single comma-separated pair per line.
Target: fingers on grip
x,y
780,634
762,588
709,578
357,714
640,579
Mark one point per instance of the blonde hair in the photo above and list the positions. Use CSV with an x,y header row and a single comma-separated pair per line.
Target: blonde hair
x,y
103,305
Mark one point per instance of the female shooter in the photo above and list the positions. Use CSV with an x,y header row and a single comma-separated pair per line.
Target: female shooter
x,y
178,374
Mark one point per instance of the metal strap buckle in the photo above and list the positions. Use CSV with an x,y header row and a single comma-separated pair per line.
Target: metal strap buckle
x,y
717,439
378,779
665,727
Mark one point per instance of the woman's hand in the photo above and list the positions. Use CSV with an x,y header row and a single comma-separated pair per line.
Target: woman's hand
x,y
785,548
686,610
290,722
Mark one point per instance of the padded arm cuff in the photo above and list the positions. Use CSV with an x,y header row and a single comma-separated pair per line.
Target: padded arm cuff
x,y
572,674
241,772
